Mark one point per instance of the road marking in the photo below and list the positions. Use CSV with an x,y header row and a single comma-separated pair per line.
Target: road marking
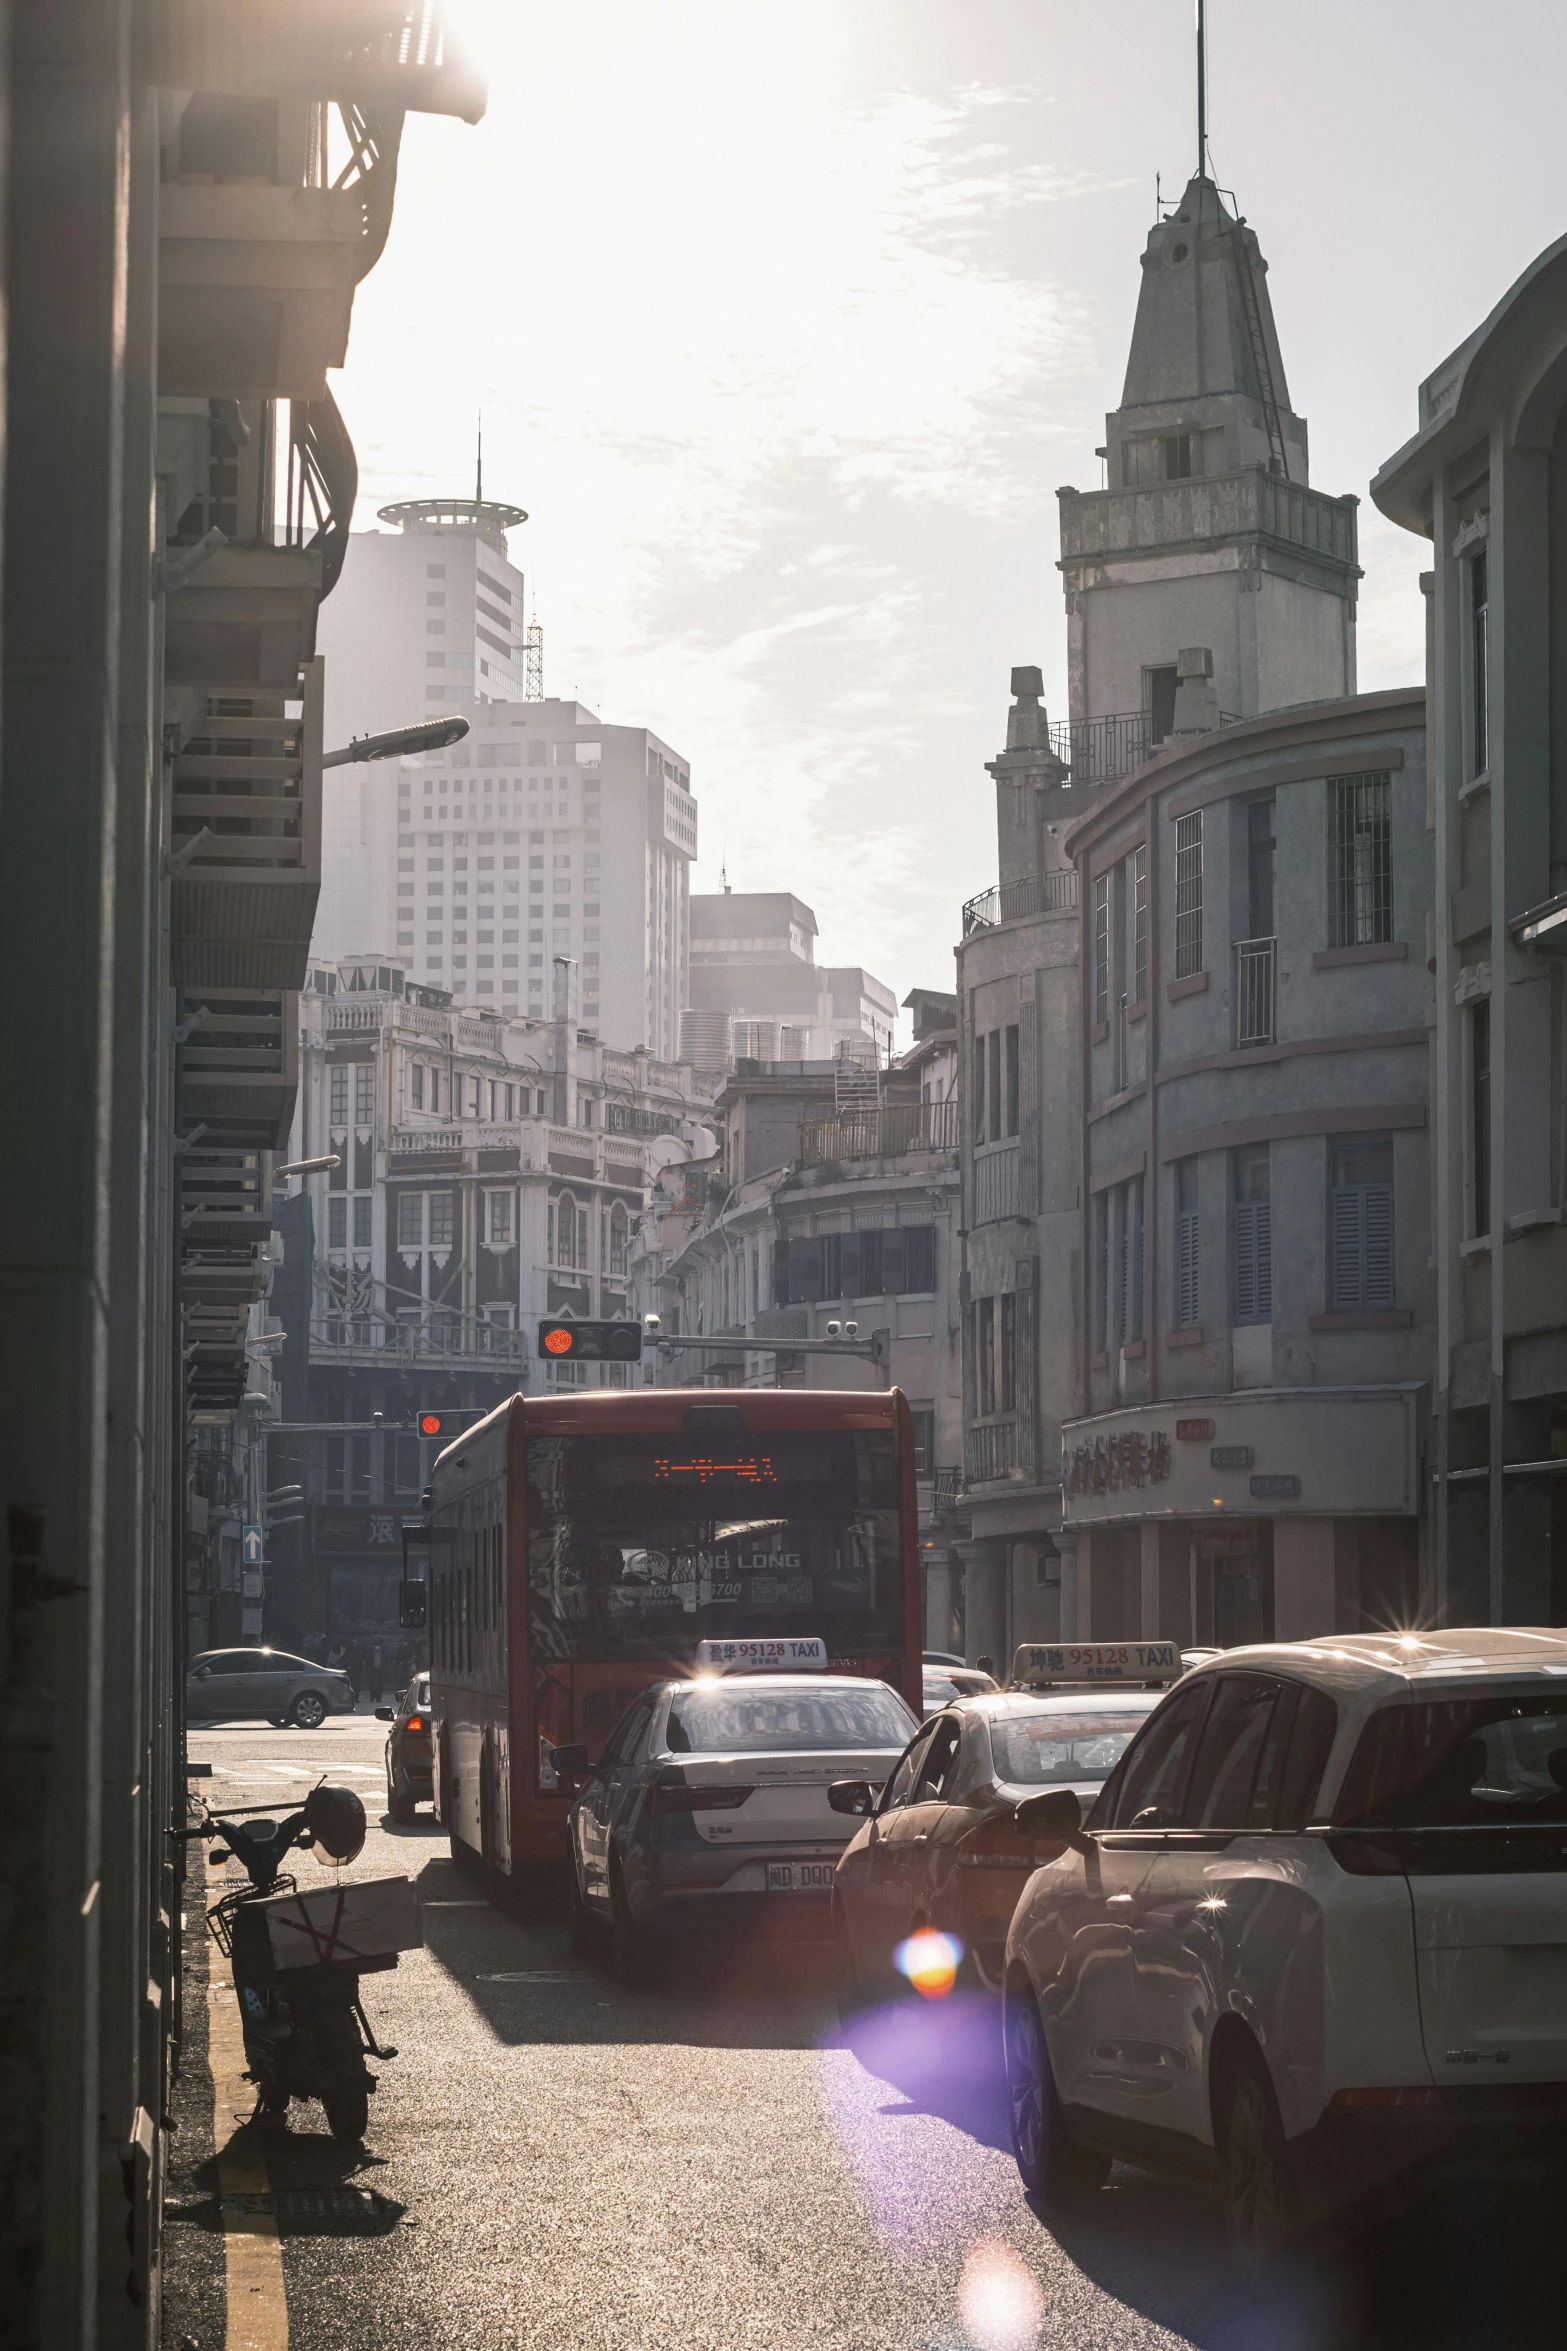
x,y
252,2248
538,1975
474,1902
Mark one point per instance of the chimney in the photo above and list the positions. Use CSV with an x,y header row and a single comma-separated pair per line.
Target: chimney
x,y
1196,697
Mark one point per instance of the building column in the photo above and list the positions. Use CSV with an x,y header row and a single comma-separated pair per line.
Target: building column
x,y
985,1601
1312,1575
1069,1546
1166,1582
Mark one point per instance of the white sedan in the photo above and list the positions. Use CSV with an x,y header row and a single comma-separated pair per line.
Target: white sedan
x,y
1313,1931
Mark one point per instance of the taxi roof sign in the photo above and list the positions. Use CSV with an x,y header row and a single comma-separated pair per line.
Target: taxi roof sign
x,y
1043,1665
756,1656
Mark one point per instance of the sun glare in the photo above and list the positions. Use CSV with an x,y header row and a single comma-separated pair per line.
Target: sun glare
x,y
931,1961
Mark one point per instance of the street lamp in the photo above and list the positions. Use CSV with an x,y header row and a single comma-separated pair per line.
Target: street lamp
x,y
431,734
321,1166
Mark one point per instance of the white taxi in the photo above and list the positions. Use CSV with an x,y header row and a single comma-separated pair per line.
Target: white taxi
x,y
706,1818
1313,1930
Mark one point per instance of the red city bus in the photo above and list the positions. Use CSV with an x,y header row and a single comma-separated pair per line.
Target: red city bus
x,y
581,1545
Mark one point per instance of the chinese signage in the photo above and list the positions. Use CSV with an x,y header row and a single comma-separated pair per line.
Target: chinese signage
x,y
1108,1464
358,1532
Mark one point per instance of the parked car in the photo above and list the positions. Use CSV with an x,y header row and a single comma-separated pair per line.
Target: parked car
x,y
938,1846
706,1817
1311,1932
264,1685
943,1683
410,1768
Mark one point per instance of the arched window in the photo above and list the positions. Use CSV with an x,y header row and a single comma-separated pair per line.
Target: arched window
x,y
565,1229
619,1238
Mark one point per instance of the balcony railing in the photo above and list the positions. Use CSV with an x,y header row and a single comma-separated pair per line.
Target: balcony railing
x,y
880,1134
461,1339
945,1485
990,1450
1255,966
993,1183
1035,893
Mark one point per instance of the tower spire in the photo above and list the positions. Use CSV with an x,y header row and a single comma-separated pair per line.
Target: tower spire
x,y
1202,91
478,470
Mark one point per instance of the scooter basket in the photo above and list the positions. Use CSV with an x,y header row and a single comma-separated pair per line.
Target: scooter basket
x,y
347,1925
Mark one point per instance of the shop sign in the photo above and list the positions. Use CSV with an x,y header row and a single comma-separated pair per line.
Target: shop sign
x,y
1271,1488
357,1531
1231,1457
1193,1432
1110,1465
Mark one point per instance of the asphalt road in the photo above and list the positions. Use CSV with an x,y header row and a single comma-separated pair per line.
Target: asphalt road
x,y
553,2161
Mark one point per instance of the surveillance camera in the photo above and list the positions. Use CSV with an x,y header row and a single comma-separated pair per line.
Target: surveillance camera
x,y
835,1330
851,1330
652,1324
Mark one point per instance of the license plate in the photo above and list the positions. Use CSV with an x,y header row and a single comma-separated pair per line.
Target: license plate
x,y
799,1877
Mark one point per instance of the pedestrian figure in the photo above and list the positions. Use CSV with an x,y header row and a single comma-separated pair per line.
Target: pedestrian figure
x,y
376,1674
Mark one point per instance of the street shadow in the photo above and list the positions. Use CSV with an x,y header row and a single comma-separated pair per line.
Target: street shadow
x,y
518,1972
944,2056
1463,2266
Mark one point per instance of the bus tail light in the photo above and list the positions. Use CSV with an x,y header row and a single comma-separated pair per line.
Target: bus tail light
x,y
674,1796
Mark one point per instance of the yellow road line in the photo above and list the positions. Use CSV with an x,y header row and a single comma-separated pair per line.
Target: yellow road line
x,y
252,2249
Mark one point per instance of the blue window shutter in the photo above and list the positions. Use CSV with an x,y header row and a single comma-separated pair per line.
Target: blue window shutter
x,y
1377,1224
1186,1285
1253,1261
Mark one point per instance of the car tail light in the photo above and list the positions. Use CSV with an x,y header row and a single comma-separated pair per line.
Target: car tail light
x,y
676,1796
416,1722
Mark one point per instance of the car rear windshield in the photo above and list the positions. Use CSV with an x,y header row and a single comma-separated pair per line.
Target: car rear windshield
x,y
1476,1761
755,1722
1041,1750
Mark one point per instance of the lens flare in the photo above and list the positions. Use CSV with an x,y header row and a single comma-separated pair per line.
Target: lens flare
x,y
999,2300
931,1961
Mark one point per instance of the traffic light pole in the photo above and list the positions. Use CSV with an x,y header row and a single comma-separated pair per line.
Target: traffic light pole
x,y
876,1349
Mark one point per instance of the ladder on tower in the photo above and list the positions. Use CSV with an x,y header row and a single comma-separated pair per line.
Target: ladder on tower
x,y
856,1079
1251,312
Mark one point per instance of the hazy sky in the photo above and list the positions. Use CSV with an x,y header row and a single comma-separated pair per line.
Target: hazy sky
x,y
787,321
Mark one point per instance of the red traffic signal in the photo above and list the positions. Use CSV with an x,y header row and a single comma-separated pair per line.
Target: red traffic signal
x,y
430,1424
590,1342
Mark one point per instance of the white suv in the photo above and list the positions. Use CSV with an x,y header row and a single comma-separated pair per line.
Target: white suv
x,y
1313,1930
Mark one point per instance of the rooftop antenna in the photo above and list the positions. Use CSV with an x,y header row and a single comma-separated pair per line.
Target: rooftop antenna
x,y
1202,90
478,471
723,869
533,659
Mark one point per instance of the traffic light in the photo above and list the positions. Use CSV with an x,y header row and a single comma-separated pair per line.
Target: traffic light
x,y
435,1424
590,1342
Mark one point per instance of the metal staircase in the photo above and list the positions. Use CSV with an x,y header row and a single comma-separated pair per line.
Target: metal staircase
x,y
856,1079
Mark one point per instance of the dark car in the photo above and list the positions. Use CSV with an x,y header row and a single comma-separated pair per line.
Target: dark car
x,y
410,1770
264,1685
939,1848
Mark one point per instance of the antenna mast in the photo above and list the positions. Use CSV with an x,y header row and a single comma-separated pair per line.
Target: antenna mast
x,y
478,471
533,660
1202,91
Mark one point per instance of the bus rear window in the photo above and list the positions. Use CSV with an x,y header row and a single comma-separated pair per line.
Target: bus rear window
x,y
640,1546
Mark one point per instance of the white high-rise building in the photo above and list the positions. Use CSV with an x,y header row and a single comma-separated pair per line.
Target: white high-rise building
x,y
543,834
427,618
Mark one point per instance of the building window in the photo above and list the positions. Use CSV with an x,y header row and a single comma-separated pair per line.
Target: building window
x,y
498,1206
1008,1336
1360,1220
1161,701
1129,1261
441,1219
1480,660
364,1093
1102,952
1177,457
619,1239
1480,1106
993,1054
1259,869
1253,1235
924,1419
1360,851
362,1213
339,1097
1012,1079
1140,923
1100,1302
919,1258
417,1085
1188,895
1187,1256
410,1221
337,1222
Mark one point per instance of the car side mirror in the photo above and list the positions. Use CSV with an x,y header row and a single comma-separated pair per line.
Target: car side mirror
x,y
201,1673
1054,1817
855,1797
384,1714
571,1762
